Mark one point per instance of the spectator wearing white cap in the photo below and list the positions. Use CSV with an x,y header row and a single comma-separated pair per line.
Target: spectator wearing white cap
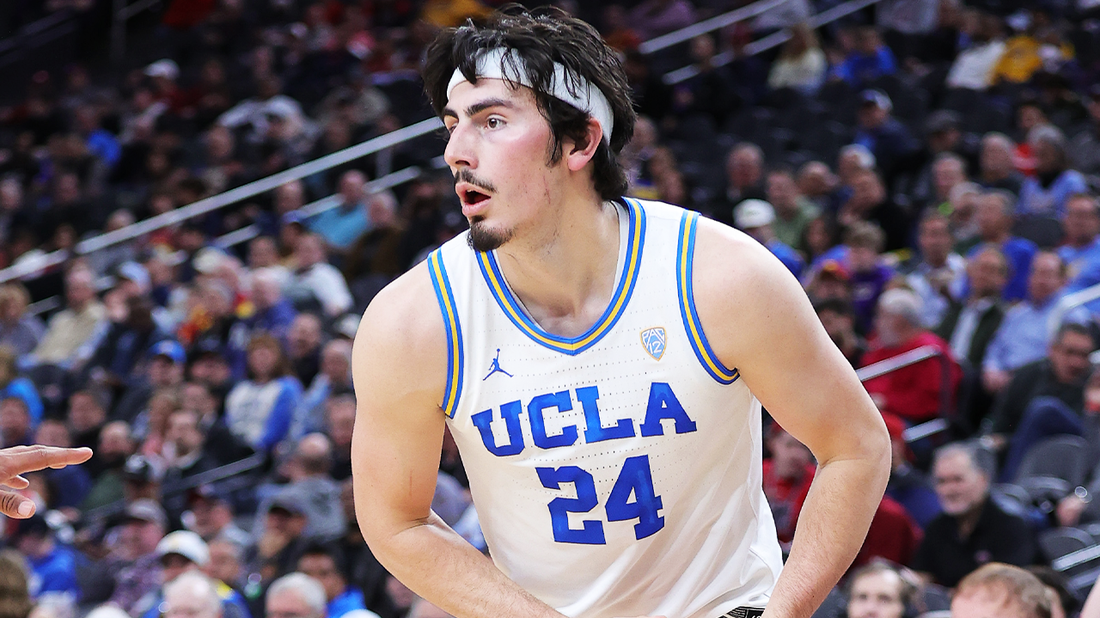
x,y
755,218
181,554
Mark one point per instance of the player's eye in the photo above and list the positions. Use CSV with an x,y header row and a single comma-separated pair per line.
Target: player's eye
x,y
494,122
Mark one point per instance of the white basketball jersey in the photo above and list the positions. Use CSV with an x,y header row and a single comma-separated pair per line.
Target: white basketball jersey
x,y
616,473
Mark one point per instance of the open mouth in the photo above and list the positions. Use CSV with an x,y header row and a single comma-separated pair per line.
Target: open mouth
x,y
473,196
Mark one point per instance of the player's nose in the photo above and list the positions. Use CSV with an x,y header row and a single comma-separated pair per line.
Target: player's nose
x,y
460,151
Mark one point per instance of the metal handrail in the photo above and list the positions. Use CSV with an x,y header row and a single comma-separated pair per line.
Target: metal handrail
x,y
708,25
229,470
905,359
772,40
1068,303
222,200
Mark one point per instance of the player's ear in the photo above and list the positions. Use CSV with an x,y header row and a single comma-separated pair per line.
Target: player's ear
x,y
579,153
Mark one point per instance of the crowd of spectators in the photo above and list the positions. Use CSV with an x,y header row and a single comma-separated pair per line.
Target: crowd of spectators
x,y
926,168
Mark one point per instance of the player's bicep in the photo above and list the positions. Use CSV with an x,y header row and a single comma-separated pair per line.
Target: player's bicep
x,y
763,324
398,371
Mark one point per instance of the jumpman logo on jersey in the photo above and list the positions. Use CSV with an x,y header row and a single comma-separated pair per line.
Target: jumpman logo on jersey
x,y
495,368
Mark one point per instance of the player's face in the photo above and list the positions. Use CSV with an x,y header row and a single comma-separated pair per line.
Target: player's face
x,y
498,152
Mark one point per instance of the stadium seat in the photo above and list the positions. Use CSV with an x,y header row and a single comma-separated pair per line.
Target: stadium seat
x,y
1060,457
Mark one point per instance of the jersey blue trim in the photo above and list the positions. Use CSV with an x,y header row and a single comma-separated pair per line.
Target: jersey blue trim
x,y
494,279
446,300
685,252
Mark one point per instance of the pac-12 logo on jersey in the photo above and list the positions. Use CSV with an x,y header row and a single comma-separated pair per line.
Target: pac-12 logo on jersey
x,y
654,341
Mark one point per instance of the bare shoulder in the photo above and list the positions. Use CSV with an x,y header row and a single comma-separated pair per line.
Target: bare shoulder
x,y
400,336
739,285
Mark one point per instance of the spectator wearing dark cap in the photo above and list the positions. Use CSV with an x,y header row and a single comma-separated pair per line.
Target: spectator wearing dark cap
x,y
1084,146
212,516
162,369
312,487
1046,193
53,564
920,391
886,137
326,564
210,367
755,218
282,540
134,562
183,552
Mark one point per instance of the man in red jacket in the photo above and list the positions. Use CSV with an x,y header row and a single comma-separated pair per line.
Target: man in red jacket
x,y
916,392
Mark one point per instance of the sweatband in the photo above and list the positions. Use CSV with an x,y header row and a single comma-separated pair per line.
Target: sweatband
x,y
588,98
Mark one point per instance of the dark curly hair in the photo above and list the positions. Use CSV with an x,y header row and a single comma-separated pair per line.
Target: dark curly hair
x,y
541,38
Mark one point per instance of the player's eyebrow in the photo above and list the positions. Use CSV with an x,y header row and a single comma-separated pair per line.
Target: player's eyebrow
x,y
480,106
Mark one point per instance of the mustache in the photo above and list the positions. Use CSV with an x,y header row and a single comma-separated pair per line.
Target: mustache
x,y
465,175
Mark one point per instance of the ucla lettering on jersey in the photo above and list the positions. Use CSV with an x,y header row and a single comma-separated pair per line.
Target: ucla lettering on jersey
x,y
616,473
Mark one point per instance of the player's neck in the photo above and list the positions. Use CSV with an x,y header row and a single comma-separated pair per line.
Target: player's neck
x,y
564,273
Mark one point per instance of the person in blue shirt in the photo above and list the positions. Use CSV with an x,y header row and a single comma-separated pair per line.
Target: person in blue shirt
x,y
53,566
342,225
885,136
325,563
1081,235
870,60
994,215
1045,194
1024,335
13,385
755,217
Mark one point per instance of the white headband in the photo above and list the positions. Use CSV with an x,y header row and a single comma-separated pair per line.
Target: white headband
x,y
588,98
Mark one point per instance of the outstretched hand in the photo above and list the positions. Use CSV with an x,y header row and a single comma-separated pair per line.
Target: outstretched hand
x,y
18,460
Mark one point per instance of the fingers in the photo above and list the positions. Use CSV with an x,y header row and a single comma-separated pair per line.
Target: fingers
x,y
18,482
15,506
19,459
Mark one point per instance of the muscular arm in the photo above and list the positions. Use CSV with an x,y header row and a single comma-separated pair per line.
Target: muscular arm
x,y
759,320
399,364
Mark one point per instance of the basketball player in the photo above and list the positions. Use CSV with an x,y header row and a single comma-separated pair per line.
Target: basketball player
x,y
600,362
